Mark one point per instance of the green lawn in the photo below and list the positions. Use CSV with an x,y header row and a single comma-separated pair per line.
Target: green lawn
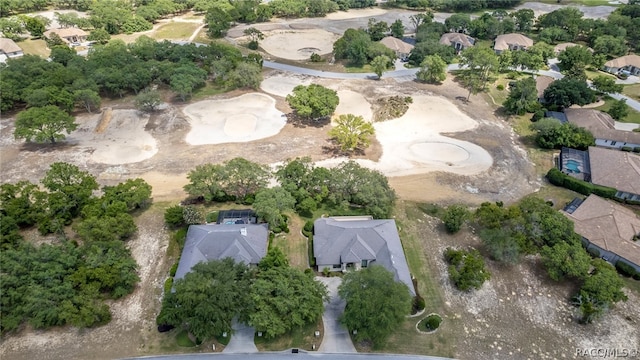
x,y
294,244
175,31
209,89
359,69
35,47
578,2
632,91
301,338
633,117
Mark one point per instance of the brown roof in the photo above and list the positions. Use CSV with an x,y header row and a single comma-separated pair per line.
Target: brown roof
x,y
66,32
396,45
601,125
542,83
561,47
615,168
608,225
453,38
8,46
503,41
633,60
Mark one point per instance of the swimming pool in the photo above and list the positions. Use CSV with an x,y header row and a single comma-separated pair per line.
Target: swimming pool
x,y
572,166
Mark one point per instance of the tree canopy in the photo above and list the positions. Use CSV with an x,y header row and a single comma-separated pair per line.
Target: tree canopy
x,y
466,269
376,303
313,101
352,132
568,91
432,69
523,97
551,134
47,123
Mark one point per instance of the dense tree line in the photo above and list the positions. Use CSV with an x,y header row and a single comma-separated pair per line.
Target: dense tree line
x,y
274,298
532,226
358,48
115,69
347,188
65,283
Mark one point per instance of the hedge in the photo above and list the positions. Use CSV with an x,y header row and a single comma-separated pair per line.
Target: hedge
x,y
312,259
627,270
558,178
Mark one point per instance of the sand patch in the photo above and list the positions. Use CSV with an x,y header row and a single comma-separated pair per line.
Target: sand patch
x,y
355,13
244,118
123,140
299,44
281,85
412,144
354,103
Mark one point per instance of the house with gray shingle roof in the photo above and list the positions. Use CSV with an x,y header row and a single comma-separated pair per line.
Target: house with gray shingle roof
x,y
245,243
345,243
609,227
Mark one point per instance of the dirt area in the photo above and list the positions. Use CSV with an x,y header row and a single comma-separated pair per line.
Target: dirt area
x,y
298,44
520,313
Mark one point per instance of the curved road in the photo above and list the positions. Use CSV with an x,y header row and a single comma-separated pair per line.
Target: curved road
x,y
408,73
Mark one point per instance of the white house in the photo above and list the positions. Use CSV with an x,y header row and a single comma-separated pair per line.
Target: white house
x,y
9,49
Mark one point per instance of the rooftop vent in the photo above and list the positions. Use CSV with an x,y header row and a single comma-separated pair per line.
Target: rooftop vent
x,y
243,231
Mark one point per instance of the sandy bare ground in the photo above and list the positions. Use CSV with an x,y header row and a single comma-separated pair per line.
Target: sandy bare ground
x,y
281,85
298,44
412,144
244,118
355,13
352,102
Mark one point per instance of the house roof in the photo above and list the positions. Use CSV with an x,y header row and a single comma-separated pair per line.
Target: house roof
x,y
66,32
542,83
503,41
601,125
615,168
609,225
8,46
397,45
453,38
245,243
633,60
561,47
337,241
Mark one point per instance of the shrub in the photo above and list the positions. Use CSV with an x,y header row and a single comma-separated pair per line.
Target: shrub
x,y
173,216
594,252
180,237
212,217
430,323
312,259
627,270
326,271
467,269
512,75
192,215
626,148
539,114
168,284
308,228
315,58
454,217
418,304
253,45
500,87
637,148
558,178
172,271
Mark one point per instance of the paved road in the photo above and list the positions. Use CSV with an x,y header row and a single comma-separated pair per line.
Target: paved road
x,y
242,340
303,355
336,337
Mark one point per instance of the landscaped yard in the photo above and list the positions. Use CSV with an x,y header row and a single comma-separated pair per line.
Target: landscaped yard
x,y
632,91
35,47
175,31
294,244
633,117
302,338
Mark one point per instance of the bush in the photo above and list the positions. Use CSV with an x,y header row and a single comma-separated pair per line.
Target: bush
x,y
180,237
253,45
168,284
430,323
595,253
626,148
558,178
312,259
212,217
539,114
512,75
627,270
308,228
172,271
418,304
467,269
315,58
637,148
173,217
500,87
192,215
454,217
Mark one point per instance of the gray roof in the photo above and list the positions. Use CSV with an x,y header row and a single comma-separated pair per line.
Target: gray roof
x,y
337,241
216,242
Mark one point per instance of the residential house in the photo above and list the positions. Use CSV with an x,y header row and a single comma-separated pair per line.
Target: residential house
x,y
511,42
562,47
610,228
350,243
245,243
459,41
602,126
616,169
542,83
627,63
69,35
9,49
401,48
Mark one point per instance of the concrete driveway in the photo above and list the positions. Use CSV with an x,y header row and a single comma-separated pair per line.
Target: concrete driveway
x,y
336,337
241,340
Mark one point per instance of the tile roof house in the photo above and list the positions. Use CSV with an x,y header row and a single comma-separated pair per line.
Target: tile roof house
x,y
459,41
69,35
401,48
9,49
245,243
617,169
602,126
511,42
630,63
542,83
609,227
342,243
562,47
